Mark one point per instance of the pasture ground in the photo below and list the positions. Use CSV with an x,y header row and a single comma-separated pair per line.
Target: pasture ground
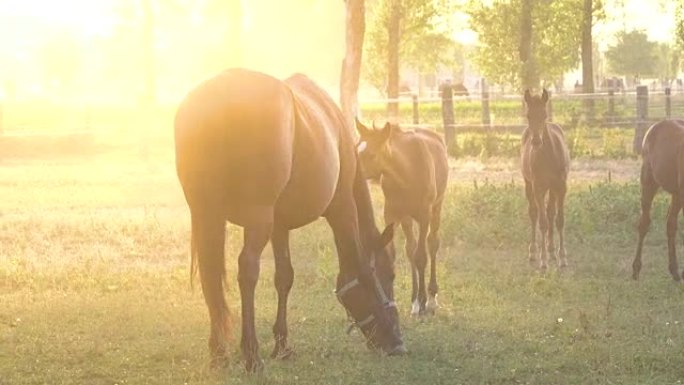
x,y
94,284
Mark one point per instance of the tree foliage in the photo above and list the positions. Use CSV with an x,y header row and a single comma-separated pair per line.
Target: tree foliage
x,y
634,54
424,42
556,38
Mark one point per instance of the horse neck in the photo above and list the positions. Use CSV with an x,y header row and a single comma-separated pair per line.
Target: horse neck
x,y
368,229
396,169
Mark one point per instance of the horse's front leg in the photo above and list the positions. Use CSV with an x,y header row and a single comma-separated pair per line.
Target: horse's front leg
x,y
410,249
532,211
433,245
284,275
255,239
539,195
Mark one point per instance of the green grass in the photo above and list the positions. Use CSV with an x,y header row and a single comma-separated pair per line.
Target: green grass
x,y
94,288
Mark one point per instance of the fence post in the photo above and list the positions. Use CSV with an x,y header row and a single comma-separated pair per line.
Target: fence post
x,y
416,117
486,117
611,107
668,103
641,117
549,107
448,113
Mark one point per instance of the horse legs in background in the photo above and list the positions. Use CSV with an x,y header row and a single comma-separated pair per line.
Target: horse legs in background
x,y
560,226
673,212
433,245
648,191
255,239
539,194
208,237
420,259
550,217
284,276
410,248
532,211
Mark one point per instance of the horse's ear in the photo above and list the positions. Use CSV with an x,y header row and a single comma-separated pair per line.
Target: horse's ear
x,y
386,131
363,130
545,96
387,235
528,96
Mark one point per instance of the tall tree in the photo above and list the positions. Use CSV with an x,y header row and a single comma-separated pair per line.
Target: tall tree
x,y
393,35
529,73
633,55
351,64
423,39
553,42
590,9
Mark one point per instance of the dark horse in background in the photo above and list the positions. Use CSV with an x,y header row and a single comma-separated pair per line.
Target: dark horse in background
x,y
271,156
545,166
663,166
413,170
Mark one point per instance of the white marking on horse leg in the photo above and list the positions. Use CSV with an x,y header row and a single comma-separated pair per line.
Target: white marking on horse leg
x,y
415,307
432,304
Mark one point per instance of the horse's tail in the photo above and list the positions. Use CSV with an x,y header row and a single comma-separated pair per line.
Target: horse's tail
x,y
193,254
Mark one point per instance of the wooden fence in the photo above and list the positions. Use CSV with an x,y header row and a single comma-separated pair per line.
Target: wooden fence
x,y
494,112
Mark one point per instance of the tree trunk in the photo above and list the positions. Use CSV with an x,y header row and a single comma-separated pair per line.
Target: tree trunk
x,y
529,73
587,61
351,65
393,59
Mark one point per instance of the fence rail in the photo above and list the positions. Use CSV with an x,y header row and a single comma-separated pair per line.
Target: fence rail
x,y
497,112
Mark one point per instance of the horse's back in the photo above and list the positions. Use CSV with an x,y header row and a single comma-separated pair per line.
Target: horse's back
x,y
662,152
244,141
438,152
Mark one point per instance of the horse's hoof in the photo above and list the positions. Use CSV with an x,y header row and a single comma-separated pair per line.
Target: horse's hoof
x,y
415,308
282,353
400,350
218,362
254,366
432,305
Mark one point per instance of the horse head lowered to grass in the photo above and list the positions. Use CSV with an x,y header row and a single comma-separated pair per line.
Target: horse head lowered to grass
x,y
271,156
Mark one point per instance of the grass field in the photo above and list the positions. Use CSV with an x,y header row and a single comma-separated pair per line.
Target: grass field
x,y
94,284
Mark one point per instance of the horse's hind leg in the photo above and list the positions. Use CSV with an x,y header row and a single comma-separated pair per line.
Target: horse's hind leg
x,y
284,276
433,246
532,212
255,239
410,249
648,191
560,226
420,258
208,237
672,214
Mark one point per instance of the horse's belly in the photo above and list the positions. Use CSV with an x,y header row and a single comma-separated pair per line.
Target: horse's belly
x,y
309,191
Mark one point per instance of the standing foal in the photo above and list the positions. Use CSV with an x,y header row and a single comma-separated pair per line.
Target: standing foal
x,y
545,166
413,168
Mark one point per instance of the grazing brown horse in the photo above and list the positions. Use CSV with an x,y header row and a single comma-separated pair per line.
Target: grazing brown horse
x,y
413,169
545,166
271,156
663,166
